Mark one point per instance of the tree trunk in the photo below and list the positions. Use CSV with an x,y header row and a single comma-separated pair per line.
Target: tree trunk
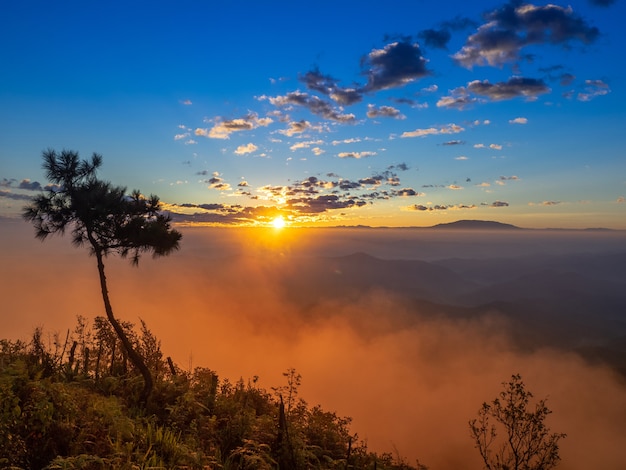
x,y
134,357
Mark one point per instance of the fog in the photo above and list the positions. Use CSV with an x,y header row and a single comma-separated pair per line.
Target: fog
x,y
410,379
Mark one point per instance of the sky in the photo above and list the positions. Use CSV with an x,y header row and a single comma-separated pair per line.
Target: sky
x,y
395,113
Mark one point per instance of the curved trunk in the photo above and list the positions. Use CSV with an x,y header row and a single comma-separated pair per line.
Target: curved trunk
x,y
135,358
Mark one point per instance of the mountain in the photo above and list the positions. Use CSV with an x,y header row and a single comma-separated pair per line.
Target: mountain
x,y
476,225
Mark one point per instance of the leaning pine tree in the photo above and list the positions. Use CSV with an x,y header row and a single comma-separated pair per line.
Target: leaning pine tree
x,y
104,218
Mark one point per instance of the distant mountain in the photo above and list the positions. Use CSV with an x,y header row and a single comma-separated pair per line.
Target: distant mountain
x,y
476,225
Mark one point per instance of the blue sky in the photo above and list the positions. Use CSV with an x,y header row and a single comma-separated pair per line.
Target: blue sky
x,y
396,113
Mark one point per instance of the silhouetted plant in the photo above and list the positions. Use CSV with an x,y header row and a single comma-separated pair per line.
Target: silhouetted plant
x,y
193,420
106,219
527,443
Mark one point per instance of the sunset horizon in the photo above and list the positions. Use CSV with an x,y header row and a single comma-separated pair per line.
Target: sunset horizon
x,y
507,112
295,235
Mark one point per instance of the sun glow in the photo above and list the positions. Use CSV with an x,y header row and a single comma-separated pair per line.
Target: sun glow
x,y
278,222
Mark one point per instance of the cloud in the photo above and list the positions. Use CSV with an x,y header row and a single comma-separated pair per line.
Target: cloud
x,y
513,88
499,204
455,187
459,98
436,38
399,166
223,128
461,157
621,200
356,155
29,185
327,85
303,199
593,88
296,127
346,141
495,146
384,111
314,104
394,66
509,178
407,192
509,29
454,142
440,207
518,120
244,149
216,182
448,129
305,144
323,203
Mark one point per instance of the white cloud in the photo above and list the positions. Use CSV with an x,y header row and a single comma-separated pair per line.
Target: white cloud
x,y
356,155
244,149
448,129
518,120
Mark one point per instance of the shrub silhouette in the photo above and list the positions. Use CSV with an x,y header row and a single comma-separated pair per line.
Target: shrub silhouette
x,y
527,443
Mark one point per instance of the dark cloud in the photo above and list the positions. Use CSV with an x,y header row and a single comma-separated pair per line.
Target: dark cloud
x,y
407,101
6,183
394,66
327,85
399,166
384,111
454,142
406,192
347,185
314,104
437,38
296,127
514,87
371,181
509,29
421,207
499,204
323,203
459,23
224,127
30,185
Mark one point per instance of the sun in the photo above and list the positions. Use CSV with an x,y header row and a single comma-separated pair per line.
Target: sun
x,y
278,222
